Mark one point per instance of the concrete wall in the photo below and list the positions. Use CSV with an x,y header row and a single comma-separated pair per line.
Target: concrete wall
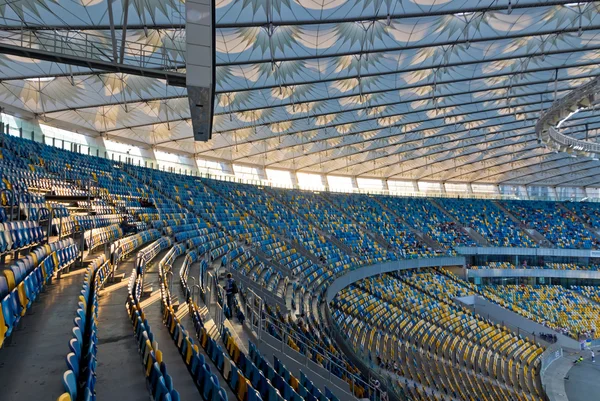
x,y
514,321
374,270
270,347
573,253
551,273
459,271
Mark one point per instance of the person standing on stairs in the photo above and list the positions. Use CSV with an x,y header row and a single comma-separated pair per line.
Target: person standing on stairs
x,y
230,291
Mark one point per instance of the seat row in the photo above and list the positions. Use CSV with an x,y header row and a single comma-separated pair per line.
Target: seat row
x,y
17,235
273,383
24,280
157,378
206,381
241,373
559,225
158,381
553,306
103,235
79,380
545,266
418,315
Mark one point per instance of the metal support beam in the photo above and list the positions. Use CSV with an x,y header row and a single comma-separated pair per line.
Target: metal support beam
x,y
124,29
172,78
113,35
497,6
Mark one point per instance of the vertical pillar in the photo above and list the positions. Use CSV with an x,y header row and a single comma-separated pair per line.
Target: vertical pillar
x,y
324,181
294,179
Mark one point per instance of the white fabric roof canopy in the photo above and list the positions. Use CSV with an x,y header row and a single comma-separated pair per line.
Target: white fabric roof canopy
x,y
406,89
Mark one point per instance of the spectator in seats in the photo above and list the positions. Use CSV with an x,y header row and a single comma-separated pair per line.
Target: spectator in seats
x,y
230,291
300,321
126,227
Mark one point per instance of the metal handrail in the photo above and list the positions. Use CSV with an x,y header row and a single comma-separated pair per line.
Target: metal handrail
x,y
9,199
358,359
264,318
92,46
546,128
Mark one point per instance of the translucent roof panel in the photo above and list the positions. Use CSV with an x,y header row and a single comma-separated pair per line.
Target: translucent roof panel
x,y
413,90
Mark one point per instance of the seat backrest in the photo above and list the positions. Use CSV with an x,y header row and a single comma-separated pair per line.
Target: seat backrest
x,y
73,363
4,290
70,384
64,397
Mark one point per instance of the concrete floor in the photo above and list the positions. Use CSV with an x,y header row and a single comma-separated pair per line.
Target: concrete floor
x,y
176,367
120,373
583,383
31,367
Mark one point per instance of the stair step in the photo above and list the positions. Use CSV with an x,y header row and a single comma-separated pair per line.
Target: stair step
x,y
147,291
117,278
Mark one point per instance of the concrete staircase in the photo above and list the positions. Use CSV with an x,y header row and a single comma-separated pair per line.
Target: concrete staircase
x,y
329,237
421,236
591,229
535,235
374,236
291,243
475,236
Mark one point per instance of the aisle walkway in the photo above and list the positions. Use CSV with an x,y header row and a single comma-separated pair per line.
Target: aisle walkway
x,y
188,324
31,367
119,374
182,380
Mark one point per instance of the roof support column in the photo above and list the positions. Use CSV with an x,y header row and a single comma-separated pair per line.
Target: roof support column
x,y
113,35
355,187
294,179
415,185
200,64
324,181
384,186
124,28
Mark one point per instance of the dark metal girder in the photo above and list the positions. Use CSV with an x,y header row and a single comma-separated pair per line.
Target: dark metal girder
x,y
455,177
431,67
577,171
592,184
508,180
324,127
30,27
485,159
440,83
429,155
398,125
391,115
115,103
533,119
457,41
175,120
172,78
428,13
472,162
396,144
496,165
545,162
